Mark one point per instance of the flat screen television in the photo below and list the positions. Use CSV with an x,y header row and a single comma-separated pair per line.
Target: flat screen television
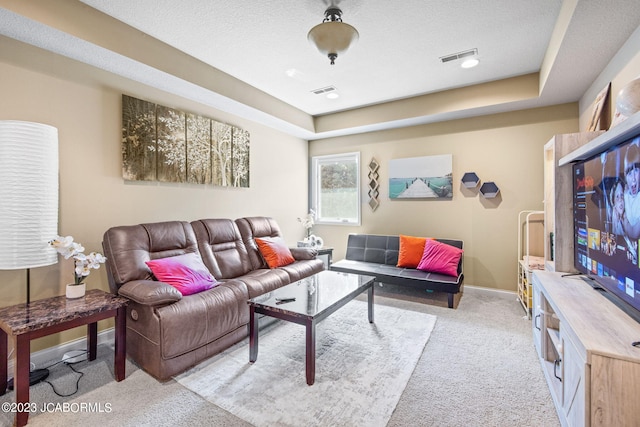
x,y
606,212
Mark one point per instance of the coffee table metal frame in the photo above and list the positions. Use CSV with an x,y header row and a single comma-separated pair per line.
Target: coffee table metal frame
x,y
292,312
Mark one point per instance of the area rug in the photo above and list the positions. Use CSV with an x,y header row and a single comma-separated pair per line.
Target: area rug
x,y
361,370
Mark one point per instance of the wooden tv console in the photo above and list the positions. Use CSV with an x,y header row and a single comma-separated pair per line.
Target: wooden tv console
x,y
584,343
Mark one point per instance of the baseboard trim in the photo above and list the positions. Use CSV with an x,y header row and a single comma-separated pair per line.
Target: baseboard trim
x,y
482,288
49,355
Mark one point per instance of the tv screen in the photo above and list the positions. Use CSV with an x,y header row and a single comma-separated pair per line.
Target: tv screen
x,y
606,207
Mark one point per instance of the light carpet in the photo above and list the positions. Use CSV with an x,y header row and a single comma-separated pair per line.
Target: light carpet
x,y
361,370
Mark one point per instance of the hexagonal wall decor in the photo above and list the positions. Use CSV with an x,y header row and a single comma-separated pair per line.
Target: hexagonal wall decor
x,y
489,190
470,180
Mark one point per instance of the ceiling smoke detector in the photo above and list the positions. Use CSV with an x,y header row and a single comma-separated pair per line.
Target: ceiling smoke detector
x,y
460,55
324,90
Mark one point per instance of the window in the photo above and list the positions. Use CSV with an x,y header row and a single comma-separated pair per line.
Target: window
x,y
335,188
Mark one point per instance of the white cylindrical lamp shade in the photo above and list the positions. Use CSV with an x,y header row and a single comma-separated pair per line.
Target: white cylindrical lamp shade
x,y
28,194
333,37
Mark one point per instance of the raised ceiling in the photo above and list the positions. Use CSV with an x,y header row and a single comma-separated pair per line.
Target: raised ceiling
x,y
532,53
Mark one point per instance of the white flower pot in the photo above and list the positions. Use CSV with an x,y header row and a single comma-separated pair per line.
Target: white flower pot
x,y
76,291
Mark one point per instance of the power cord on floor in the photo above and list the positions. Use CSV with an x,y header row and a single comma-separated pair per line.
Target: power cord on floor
x,y
70,365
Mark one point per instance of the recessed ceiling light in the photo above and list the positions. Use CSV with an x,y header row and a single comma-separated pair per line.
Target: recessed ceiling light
x,y
294,73
470,63
333,95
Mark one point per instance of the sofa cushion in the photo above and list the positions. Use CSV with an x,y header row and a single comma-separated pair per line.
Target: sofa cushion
x,y
373,248
411,250
440,258
304,268
150,292
200,319
274,251
128,247
222,248
185,272
304,253
264,280
252,227
399,275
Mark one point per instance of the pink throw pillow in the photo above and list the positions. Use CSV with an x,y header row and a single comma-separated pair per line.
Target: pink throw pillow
x,y
187,273
440,258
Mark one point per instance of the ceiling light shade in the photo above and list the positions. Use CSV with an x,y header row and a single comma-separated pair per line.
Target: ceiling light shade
x,y
28,194
332,37
470,63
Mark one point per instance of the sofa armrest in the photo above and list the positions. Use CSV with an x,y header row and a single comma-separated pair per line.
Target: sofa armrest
x,y
304,253
150,292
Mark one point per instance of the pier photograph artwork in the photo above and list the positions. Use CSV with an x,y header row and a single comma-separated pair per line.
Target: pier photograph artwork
x,y
421,177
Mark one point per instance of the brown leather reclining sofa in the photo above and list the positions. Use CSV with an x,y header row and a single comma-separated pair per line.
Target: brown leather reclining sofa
x,y
167,332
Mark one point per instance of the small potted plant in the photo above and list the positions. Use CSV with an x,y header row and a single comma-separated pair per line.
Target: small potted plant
x,y
310,240
307,222
83,264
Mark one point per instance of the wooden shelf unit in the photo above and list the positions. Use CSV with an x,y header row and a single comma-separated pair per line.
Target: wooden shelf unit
x,y
584,343
530,245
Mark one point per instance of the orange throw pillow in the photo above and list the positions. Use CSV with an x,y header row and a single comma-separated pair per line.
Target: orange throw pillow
x,y
274,251
410,252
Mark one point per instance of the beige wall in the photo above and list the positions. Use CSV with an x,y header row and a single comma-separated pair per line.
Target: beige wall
x,y
93,195
504,148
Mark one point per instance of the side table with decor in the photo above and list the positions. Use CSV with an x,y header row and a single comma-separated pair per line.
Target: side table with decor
x,y
25,322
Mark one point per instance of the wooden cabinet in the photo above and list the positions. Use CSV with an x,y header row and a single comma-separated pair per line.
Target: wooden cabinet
x,y
584,343
558,200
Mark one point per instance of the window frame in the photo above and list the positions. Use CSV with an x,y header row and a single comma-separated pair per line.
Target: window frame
x,y
317,161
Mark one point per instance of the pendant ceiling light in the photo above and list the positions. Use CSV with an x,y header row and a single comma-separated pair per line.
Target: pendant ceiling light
x,y
332,37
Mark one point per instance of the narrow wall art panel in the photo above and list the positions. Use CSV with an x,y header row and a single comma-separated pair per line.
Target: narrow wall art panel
x,y
164,144
171,145
138,139
421,177
221,153
240,155
198,149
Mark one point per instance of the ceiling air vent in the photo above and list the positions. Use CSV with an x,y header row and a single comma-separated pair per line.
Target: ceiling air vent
x,y
459,55
324,90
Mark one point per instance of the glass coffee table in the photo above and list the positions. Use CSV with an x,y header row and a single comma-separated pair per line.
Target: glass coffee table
x,y
307,302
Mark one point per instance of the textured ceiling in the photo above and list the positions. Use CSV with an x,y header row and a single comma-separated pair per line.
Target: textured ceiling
x,y
566,45
397,55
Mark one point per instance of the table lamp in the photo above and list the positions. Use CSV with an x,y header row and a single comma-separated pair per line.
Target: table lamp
x,y
28,200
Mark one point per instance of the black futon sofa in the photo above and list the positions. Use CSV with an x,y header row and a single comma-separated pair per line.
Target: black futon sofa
x,y
377,255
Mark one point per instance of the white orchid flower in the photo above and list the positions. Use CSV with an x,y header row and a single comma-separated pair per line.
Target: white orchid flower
x,y
83,264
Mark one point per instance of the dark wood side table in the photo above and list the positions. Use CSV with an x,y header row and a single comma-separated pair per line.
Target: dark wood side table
x,y
24,322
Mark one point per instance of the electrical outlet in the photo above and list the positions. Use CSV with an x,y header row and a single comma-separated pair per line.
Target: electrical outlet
x,y
74,356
